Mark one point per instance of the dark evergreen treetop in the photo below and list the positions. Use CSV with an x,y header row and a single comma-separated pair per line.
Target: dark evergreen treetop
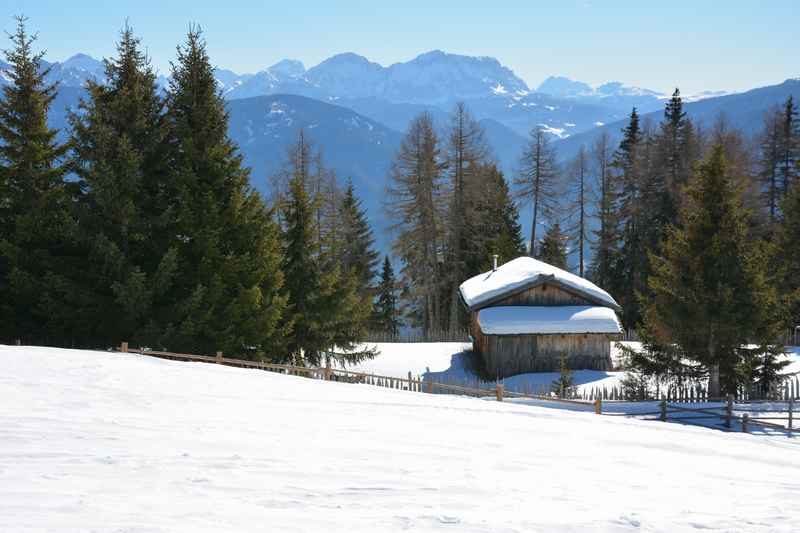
x,y
710,292
358,253
37,227
229,293
553,247
30,156
386,313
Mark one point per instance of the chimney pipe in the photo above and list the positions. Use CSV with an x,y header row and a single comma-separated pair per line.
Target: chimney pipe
x,y
494,262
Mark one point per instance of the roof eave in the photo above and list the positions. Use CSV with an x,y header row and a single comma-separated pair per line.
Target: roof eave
x,y
539,280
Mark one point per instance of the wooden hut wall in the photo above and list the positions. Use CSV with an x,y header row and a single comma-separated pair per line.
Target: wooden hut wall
x,y
507,355
543,295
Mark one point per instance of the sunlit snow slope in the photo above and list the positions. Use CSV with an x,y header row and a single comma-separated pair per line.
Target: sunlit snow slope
x,y
108,442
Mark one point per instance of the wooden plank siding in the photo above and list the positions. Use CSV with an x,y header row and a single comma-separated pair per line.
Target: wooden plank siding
x,y
508,355
542,292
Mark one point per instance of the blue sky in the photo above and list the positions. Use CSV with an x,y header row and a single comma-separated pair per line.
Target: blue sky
x,y
695,45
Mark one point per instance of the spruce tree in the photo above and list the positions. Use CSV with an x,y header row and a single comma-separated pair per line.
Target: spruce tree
x,y
553,247
37,228
537,179
710,294
386,314
120,156
628,275
676,155
357,251
302,271
769,160
327,311
501,233
786,256
789,145
228,294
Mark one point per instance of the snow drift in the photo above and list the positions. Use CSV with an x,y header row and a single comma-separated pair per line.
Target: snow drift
x,y
91,441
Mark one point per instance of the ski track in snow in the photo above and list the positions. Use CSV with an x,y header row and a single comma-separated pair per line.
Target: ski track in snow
x,y
93,441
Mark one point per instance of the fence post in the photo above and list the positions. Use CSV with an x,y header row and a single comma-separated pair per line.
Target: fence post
x,y
728,411
430,387
745,418
598,406
410,388
328,371
663,410
123,347
219,358
499,391
791,409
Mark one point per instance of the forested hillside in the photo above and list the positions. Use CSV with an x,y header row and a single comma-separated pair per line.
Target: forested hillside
x,y
153,209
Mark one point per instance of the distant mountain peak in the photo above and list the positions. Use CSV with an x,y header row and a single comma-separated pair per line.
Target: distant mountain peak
x,y
82,62
347,58
563,87
291,68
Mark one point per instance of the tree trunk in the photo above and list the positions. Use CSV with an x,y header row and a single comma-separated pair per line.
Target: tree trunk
x,y
713,382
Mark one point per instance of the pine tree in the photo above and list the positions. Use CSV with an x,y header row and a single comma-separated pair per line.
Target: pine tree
x,y
769,159
606,244
357,254
228,295
327,309
386,315
564,386
537,180
414,205
466,153
120,156
37,227
498,223
579,231
786,256
628,275
303,284
676,155
710,295
553,247
789,146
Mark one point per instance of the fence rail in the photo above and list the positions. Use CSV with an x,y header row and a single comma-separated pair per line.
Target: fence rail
x,y
789,389
409,336
728,418
410,383
725,413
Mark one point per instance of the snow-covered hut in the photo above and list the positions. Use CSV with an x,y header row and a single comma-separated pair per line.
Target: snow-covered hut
x,y
526,314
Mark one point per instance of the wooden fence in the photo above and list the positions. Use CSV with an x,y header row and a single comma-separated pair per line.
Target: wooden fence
x,y
789,389
668,411
414,335
410,383
751,417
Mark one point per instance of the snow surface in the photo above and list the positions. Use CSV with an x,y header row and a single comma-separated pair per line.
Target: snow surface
x,y
509,320
449,362
92,441
520,272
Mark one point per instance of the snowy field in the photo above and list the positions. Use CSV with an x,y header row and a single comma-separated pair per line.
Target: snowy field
x,y
445,362
91,441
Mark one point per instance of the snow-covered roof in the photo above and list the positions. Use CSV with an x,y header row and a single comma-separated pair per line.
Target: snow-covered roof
x,y
524,272
530,320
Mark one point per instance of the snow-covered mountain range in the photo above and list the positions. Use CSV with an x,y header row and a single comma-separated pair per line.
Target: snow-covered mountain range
x,y
356,110
433,81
